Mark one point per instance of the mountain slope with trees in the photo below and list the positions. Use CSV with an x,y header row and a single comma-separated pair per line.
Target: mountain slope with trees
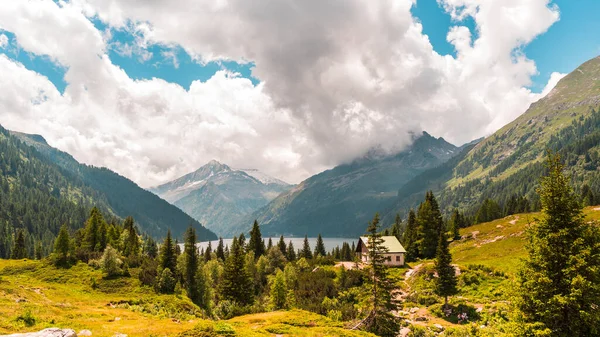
x,y
505,168
345,197
44,188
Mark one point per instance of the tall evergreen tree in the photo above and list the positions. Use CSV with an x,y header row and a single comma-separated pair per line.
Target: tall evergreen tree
x,y
559,283
445,283
256,243
237,284
19,251
305,252
396,227
220,250
91,241
195,293
270,244
320,246
177,248
208,252
62,246
131,248
429,226
291,252
380,321
409,237
281,245
150,248
168,259
456,222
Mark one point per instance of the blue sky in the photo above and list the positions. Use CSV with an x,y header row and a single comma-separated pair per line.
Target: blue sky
x,y
571,41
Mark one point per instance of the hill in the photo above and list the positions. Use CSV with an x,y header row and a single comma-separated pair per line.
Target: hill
x,y
218,196
340,201
509,162
36,295
46,187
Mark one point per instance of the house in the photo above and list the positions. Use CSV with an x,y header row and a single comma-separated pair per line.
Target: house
x,y
394,255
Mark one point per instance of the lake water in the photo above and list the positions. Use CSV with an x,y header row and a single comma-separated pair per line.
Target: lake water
x,y
330,243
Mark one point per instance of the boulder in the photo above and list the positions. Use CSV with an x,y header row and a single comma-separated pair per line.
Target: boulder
x,y
439,327
421,319
404,332
413,310
50,332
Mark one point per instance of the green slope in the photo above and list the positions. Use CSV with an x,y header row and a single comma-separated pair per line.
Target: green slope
x,y
81,186
510,162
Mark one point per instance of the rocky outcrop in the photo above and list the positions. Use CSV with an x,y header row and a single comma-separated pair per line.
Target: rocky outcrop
x,y
50,332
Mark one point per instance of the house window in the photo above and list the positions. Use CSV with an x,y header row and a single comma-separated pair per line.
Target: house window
x,y
397,258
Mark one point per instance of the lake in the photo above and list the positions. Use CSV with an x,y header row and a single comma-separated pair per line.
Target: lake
x,y
330,243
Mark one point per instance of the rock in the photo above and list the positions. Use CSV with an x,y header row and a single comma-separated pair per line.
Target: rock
x,y
117,319
20,300
421,319
50,332
479,310
413,310
84,333
474,234
404,332
439,327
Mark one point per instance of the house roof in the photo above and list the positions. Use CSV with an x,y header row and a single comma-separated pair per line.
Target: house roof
x,y
390,242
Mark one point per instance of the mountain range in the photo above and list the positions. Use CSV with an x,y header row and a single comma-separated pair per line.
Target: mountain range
x,y
219,196
87,186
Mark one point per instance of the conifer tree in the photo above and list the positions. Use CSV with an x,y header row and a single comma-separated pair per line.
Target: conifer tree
x,y
242,242
208,252
91,241
39,250
237,284
150,248
396,227
62,246
456,222
131,247
429,225
270,244
409,237
220,250
168,259
177,248
102,236
194,292
445,283
278,291
281,245
379,321
19,250
559,283
305,252
291,252
256,243
320,247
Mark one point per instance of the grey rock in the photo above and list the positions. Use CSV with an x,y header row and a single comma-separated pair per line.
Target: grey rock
x,y
404,332
50,332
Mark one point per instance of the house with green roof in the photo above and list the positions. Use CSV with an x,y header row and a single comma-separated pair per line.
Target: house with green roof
x,y
394,255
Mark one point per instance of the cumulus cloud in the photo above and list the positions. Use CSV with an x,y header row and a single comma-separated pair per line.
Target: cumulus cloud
x,y
3,40
337,78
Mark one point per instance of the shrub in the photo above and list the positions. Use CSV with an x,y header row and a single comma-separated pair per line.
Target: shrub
x,y
148,272
27,318
110,263
166,282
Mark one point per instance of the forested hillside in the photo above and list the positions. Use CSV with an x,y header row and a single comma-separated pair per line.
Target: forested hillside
x,y
43,188
507,165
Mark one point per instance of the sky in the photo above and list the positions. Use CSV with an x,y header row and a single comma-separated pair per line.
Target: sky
x,y
155,89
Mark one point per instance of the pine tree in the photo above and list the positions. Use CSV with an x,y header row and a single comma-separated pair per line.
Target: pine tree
x,y
290,255
91,241
131,247
208,252
62,246
242,242
559,283
445,283
19,251
305,252
236,285
270,244
220,250
278,291
177,248
195,293
380,321
168,259
150,248
281,245
429,226
102,236
456,222
320,247
396,227
256,243
409,237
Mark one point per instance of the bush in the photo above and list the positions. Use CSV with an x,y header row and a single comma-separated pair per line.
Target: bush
x,y
166,282
148,272
27,318
110,263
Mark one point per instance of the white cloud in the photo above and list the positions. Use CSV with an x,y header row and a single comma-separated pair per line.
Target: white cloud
x,y
3,41
338,77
